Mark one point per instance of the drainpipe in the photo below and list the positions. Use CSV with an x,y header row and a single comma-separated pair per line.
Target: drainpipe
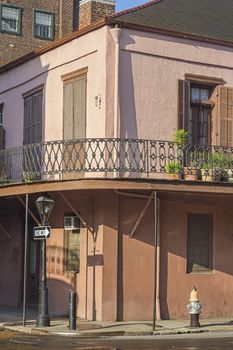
x,y
155,258
158,310
116,33
60,18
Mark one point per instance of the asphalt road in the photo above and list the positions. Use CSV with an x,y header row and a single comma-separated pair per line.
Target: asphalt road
x,y
18,341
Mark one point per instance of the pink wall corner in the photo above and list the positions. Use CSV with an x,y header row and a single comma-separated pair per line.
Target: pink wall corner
x,y
110,257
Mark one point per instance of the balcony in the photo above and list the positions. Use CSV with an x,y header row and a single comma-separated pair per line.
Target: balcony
x,y
115,158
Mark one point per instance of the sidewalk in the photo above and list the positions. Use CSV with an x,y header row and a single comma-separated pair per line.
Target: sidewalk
x,y
11,319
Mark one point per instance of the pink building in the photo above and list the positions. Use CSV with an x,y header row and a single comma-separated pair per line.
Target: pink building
x,y
90,120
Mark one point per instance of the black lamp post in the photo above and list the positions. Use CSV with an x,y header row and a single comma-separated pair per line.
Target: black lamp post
x,y
44,206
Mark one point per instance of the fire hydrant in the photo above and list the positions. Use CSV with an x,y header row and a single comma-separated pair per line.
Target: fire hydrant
x,y
194,308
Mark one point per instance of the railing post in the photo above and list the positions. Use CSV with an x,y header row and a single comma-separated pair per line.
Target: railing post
x,y
147,157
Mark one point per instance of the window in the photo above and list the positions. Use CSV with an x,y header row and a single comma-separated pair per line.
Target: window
x,y
200,115
10,19
199,243
44,25
75,105
72,243
2,130
33,118
1,114
205,110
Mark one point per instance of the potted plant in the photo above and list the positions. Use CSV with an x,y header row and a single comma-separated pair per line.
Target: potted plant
x,y
188,156
29,176
180,137
174,169
215,167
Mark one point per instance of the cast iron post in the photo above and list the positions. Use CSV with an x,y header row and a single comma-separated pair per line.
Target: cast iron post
x,y
44,206
43,319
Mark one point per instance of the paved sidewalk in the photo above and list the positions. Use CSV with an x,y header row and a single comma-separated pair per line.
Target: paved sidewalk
x,y
11,319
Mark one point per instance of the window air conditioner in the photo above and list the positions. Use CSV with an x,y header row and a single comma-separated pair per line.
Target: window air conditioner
x,y
71,223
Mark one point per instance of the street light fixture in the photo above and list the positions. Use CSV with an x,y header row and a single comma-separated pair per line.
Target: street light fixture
x,y
44,206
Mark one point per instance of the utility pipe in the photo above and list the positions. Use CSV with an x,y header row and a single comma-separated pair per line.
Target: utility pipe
x,y
158,310
155,259
60,18
25,262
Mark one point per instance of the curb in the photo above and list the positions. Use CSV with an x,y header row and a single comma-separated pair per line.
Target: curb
x,y
117,333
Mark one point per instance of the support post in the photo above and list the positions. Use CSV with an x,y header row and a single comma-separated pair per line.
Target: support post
x,y
25,262
155,258
73,316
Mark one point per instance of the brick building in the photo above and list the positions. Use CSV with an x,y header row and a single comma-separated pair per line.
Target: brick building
x,y
26,25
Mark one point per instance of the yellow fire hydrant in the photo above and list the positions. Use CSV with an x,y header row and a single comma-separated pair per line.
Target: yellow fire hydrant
x,y
194,308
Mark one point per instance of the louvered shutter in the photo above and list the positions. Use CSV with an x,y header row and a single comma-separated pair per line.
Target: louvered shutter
x,y
80,108
2,137
33,118
225,116
183,104
68,111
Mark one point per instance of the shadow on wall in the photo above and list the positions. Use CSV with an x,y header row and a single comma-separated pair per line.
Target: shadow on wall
x,y
128,117
60,281
24,100
59,296
136,264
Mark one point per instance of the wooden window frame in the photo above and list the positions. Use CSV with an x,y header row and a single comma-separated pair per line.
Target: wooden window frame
x,y
71,78
1,114
202,270
19,30
67,234
29,94
185,103
52,14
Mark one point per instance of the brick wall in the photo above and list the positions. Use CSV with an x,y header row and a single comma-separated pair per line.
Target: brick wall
x,y
94,10
13,46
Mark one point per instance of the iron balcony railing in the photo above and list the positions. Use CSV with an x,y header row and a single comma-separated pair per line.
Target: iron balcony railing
x,y
134,158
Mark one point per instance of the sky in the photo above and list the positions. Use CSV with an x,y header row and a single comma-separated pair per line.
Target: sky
x,y
126,4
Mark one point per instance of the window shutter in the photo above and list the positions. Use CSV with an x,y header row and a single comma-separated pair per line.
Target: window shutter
x,y
183,104
33,118
199,242
2,138
80,108
225,117
68,111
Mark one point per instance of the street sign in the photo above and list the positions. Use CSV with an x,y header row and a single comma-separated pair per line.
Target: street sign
x,y
41,232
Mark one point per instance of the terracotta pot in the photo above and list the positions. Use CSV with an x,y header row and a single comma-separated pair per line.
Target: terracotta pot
x,y
205,176
190,174
174,176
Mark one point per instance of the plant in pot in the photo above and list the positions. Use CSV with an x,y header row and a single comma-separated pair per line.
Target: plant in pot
x,y
174,169
29,176
186,153
214,167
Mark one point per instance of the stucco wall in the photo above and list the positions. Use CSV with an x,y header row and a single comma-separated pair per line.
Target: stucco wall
x,y
46,70
215,286
11,254
151,65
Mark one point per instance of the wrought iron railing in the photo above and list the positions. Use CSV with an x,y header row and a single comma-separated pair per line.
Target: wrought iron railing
x,y
115,158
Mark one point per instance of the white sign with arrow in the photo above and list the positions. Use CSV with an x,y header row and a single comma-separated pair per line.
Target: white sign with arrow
x,y
41,232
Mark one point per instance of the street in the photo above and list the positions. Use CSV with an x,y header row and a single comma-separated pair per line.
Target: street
x,y
18,341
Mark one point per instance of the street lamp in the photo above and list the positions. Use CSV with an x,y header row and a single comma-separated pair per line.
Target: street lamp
x,y
44,206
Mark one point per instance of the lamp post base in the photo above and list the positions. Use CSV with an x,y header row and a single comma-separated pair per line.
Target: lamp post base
x,y
43,321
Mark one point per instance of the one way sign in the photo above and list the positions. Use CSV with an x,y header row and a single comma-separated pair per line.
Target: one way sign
x,y
41,232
